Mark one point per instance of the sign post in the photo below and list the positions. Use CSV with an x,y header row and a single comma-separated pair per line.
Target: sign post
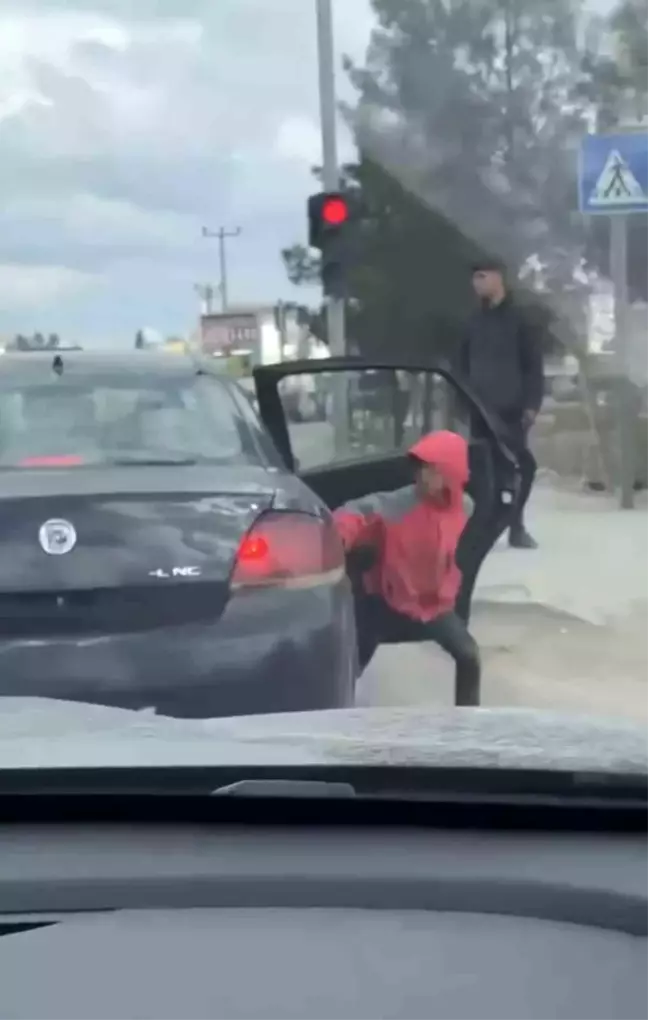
x,y
619,273
613,182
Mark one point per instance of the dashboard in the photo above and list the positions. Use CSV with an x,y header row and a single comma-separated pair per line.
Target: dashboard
x,y
320,922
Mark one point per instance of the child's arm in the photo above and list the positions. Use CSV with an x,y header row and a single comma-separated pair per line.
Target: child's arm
x,y
357,529
362,521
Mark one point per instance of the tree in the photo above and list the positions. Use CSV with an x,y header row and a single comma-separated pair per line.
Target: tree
x,y
301,265
472,105
412,280
615,83
630,24
467,121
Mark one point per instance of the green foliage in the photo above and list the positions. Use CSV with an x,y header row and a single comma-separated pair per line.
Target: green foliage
x,y
615,83
468,119
302,267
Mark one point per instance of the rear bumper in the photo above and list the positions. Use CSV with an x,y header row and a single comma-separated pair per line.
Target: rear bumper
x,y
270,651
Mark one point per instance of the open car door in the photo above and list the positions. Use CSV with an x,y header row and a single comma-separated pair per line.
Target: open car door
x,y
344,425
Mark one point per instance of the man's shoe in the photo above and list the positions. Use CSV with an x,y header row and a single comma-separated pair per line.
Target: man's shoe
x,y
519,538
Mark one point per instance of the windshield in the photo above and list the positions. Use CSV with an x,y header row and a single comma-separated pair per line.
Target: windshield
x,y
115,417
404,243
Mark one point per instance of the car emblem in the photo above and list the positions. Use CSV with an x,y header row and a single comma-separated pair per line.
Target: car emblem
x,y
57,537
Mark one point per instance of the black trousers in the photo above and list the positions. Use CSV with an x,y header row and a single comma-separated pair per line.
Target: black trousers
x,y
378,624
516,436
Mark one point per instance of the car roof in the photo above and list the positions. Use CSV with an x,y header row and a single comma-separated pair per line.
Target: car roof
x,y
132,362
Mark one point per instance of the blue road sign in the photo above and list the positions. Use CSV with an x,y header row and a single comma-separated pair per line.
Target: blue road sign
x,y
613,173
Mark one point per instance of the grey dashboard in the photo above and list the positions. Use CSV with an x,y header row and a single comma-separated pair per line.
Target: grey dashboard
x,y
191,922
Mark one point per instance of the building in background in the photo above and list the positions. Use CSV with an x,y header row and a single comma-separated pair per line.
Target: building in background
x,y
176,345
256,335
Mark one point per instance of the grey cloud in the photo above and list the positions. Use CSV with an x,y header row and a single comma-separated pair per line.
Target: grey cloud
x,y
191,132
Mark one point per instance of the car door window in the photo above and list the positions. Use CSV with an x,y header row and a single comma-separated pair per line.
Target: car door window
x,y
335,417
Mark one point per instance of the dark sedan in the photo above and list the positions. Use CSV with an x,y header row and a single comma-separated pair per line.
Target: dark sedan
x,y
155,551
161,546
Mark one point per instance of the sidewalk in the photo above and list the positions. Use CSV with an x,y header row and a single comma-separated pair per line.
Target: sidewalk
x,y
592,561
562,627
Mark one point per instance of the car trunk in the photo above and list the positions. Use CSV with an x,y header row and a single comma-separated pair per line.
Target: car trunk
x,y
155,547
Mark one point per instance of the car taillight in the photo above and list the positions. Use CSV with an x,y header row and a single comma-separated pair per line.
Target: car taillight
x,y
63,460
289,550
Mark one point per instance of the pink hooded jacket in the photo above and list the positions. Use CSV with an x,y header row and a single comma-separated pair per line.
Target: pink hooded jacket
x,y
416,539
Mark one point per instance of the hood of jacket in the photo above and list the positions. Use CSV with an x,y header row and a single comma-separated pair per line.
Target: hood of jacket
x,y
448,451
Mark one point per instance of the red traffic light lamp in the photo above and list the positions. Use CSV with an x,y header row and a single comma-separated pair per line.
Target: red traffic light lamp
x,y
335,210
329,213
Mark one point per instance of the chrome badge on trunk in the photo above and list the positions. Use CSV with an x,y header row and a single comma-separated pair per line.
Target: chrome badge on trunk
x,y
57,537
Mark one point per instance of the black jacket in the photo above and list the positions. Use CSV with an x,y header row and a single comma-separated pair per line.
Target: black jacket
x,y
502,360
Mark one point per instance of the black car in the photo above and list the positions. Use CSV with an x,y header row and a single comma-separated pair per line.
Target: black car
x,y
158,547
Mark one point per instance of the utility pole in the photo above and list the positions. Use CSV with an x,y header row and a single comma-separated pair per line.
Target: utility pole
x,y
222,235
335,308
330,168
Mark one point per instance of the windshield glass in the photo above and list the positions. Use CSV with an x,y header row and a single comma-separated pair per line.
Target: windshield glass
x,y
115,417
406,241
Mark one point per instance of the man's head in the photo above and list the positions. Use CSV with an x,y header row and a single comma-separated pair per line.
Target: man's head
x,y
488,280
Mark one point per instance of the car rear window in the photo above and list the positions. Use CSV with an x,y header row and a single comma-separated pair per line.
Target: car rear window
x,y
82,420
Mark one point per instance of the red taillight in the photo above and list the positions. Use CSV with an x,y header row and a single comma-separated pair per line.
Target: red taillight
x,y
62,460
289,550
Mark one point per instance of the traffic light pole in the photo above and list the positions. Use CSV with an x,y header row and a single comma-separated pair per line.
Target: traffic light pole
x,y
331,181
330,168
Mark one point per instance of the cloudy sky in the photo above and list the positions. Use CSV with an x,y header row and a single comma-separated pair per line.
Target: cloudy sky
x,y
121,134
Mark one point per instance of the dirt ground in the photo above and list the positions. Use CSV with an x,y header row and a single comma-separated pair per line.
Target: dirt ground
x,y
557,661
532,656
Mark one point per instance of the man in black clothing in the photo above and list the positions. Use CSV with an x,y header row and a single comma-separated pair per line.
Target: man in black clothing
x,y
502,359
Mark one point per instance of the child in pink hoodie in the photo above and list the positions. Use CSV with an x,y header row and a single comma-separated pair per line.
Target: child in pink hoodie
x,y
410,591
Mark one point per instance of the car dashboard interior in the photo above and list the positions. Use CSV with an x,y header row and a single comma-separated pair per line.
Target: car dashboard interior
x,y
322,905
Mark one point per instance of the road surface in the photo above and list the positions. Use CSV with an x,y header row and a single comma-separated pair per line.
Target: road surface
x,y
532,657
563,627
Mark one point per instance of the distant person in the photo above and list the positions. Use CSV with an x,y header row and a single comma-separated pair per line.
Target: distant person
x,y
405,543
502,359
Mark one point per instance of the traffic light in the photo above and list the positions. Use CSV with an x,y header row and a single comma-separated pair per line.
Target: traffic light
x,y
330,224
328,214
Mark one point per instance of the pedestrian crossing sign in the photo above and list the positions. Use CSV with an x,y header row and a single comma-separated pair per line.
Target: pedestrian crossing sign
x,y
613,173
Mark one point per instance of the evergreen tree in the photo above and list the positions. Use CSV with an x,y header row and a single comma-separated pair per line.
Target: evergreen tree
x,y
468,122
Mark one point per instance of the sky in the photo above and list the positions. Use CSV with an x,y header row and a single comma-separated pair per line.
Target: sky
x,y
128,125
125,127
